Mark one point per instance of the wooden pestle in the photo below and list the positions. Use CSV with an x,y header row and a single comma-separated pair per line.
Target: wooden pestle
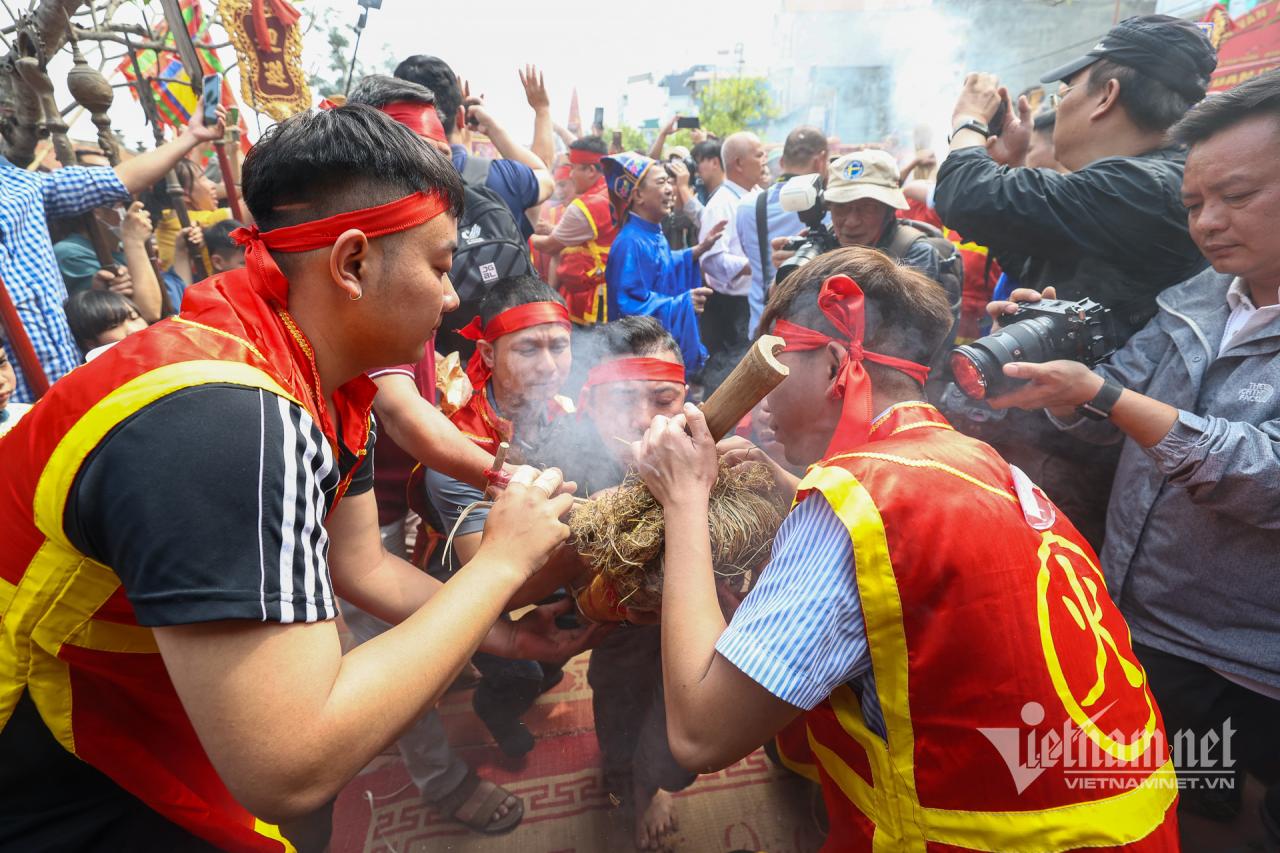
x,y
751,380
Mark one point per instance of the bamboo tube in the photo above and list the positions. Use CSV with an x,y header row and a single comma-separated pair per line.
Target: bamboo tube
x,y
755,376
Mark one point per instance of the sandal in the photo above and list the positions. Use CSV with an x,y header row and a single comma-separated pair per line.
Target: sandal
x,y
474,802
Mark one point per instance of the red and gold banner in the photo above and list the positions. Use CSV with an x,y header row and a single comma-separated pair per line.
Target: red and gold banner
x,y
1248,46
271,77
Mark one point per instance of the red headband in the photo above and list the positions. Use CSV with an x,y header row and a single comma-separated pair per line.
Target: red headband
x,y
400,215
422,119
562,173
584,158
511,320
841,301
630,369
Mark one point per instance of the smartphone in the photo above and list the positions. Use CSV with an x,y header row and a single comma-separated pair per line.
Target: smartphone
x,y
212,93
688,121
617,140
599,118
997,120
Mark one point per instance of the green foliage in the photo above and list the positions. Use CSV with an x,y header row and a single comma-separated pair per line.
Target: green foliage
x,y
729,104
632,139
330,78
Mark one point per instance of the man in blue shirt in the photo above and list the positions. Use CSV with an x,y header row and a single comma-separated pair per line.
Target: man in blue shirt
x,y
522,179
644,275
804,153
27,263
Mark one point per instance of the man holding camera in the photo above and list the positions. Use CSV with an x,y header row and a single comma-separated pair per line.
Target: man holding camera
x,y
1191,529
1112,229
862,197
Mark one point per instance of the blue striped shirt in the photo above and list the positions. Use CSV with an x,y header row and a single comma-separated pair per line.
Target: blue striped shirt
x,y
27,263
799,633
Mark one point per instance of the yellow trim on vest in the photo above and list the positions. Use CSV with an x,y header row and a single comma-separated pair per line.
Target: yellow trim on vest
x,y
61,589
1111,821
139,392
800,768
893,805
591,220
928,463
887,643
920,425
250,347
905,404
270,830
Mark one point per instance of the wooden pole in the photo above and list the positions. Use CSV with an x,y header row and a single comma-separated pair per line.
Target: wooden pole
x,y
16,333
228,180
755,376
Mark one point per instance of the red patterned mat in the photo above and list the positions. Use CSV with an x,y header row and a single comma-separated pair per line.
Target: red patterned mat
x,y
750,805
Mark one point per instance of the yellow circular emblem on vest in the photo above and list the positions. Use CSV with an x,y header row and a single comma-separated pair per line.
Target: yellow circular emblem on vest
x,y
1070,590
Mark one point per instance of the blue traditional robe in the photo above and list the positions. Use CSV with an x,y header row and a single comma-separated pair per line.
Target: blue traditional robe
x,y
646,277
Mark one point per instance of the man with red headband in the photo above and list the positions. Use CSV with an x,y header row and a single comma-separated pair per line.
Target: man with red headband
x,y
584,235
638,375
944,630
522,357
179,516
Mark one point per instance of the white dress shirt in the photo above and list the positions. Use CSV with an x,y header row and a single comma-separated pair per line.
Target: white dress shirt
x,y
1245,316
725,264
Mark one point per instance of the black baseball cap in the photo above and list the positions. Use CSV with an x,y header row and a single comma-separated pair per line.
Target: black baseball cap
x,y
1173,51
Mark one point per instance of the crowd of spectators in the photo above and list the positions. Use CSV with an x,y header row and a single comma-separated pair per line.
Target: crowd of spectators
x,y
1127,186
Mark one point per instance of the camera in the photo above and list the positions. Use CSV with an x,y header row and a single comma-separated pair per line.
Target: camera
x,y
1041,331
802,195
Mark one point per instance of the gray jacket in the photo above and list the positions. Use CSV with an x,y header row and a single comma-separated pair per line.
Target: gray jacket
x,y
1192,554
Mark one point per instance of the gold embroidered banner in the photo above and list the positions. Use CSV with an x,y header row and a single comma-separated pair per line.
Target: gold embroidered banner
x,y
271,76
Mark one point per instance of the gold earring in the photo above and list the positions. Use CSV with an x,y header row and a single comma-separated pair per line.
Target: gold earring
x,y
356,297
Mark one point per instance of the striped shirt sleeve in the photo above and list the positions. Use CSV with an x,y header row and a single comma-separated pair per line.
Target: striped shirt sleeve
x,y
210,504
799,632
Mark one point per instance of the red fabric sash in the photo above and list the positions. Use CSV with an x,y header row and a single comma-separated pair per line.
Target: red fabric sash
x,y
629,369
512,320
284,12
841,301
422,119
584,158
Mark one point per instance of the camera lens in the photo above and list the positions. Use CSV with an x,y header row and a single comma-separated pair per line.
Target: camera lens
x,y
970,367
979,367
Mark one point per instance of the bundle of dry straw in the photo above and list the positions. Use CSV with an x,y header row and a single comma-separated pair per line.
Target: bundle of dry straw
x,y
620,534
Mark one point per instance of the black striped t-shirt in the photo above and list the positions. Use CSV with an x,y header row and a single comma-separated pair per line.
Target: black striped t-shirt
x,y
210,504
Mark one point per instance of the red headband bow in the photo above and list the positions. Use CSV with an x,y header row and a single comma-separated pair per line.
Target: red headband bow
x,y
841,301
400,215
511,320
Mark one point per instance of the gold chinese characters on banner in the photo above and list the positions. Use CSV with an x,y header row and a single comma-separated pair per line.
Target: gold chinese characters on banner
x,y
271,76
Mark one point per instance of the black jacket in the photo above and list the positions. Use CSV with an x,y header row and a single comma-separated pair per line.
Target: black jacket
x,y
1115,231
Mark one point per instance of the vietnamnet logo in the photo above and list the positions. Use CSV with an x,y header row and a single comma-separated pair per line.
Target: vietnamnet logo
x,y
1032,749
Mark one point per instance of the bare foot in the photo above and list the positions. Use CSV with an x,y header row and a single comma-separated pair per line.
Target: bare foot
x,y
655,820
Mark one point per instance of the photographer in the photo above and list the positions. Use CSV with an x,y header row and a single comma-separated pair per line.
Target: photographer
x,y
862,197
1112,229
1192,524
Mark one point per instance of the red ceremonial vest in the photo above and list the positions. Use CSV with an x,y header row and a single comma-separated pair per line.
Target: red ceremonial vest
x,y
992,644
477,420
580,275
70,637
